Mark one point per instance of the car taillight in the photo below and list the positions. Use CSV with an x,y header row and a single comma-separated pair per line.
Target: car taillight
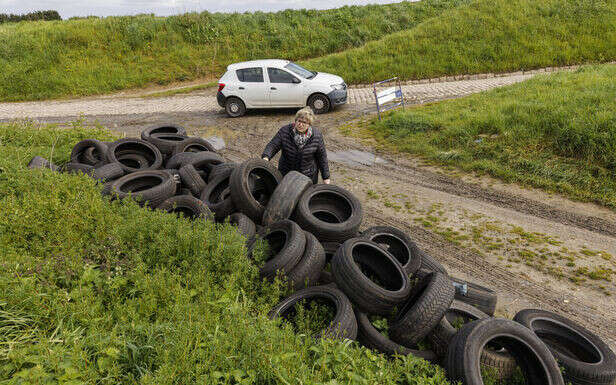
x,y
220,86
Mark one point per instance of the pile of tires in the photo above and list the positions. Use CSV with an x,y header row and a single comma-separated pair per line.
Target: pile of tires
x,y
164,169
315,245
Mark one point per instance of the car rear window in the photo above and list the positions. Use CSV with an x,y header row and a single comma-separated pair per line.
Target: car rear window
x,y
252,75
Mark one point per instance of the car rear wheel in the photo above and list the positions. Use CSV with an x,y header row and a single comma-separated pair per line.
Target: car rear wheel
x,y
235,107
319,103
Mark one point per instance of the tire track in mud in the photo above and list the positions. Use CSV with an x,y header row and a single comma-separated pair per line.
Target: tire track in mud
x,y
436,181
454,186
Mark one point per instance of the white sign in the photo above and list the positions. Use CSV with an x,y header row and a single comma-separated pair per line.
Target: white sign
x,y
386,95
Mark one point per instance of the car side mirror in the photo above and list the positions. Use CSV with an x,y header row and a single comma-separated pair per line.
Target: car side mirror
x,y
296,81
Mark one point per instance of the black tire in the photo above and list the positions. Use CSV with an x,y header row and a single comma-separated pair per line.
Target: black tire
x,y
162,129
330,249
217,196
241,184
535,360
191,179
92,157
430,264
371,338
444,331
586,358
398,244
195,145
79,168
180,159
175,172
481,297
426,305
39,162
498,359
284,199
204,162
106,189
370,297
183,191
235,107
186,205
100,151
308,269
135,146
244,225
149,187
329,212
286,242
166,143
495,357
342,326
220,168
319,103
108,172
135,161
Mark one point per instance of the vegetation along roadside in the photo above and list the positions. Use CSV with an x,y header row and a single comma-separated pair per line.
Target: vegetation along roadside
x,y
42,60
555,132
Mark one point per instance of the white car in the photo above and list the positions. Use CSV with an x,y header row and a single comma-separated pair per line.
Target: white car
x,y
278,84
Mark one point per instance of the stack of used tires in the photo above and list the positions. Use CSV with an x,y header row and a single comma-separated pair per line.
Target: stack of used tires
x,y
315,243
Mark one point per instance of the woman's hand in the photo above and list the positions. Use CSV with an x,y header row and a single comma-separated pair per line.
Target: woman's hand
x,y
326,181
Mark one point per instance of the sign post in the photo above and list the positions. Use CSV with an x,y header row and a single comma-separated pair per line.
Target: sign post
x,y
388,98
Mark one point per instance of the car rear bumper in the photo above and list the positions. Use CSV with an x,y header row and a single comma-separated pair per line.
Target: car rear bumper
x,y
221,98
337,97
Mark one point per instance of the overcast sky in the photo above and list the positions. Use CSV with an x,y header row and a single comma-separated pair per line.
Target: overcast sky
x,y
68,8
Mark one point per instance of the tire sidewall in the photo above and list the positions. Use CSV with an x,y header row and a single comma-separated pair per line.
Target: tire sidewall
x,y
233,103
319,97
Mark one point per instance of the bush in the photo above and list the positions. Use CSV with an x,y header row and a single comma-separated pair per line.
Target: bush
x,y
32,16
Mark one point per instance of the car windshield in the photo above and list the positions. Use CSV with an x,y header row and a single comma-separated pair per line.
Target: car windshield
x,y
301,71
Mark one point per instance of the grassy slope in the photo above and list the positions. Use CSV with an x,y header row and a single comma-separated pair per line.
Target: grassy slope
x,y
486,36
93,291
41,60
556,132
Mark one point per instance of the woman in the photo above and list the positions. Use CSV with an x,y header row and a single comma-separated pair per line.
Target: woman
x,y
303,148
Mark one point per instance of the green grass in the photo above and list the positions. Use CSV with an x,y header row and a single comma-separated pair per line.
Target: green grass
x,y
93,291
183,90
42,60
556,132
486,36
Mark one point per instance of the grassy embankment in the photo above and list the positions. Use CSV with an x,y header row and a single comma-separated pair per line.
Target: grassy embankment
x,y
42,60
486,36
93,291
556,132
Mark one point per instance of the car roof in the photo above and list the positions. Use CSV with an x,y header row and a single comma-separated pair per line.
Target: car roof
x,y
258,63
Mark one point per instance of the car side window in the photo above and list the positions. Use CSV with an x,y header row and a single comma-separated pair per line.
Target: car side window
x,y
277,75
250,75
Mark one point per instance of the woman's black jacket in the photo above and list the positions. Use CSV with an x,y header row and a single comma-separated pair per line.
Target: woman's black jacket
x,y
308,160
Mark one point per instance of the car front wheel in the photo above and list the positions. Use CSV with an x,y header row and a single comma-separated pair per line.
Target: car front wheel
x,y
319,103
235,107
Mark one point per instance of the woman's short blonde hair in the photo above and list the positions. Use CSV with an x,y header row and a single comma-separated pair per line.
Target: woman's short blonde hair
x,y
305,114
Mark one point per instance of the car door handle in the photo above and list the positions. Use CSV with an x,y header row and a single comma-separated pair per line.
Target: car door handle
x,y
272,88
241,88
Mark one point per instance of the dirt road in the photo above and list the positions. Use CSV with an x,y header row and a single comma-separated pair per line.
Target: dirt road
x,y
534,249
